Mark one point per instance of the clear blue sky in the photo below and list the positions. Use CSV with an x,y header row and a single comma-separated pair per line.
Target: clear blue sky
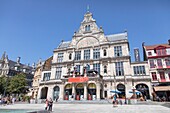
x,y
32,29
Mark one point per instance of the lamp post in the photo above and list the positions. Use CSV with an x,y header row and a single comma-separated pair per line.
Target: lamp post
x,y
114,82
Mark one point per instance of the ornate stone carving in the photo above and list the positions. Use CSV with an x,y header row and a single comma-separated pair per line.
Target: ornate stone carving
x,y
87,42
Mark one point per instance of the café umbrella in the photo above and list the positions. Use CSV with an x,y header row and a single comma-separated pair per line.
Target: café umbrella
x,y
115,91
136,91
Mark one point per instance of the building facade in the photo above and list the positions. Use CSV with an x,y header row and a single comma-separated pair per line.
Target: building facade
x,y
158,57
41,68
10,68
91,66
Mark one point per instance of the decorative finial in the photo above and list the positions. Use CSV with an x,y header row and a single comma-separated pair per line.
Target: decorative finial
x,y
18,60
125,30
88,7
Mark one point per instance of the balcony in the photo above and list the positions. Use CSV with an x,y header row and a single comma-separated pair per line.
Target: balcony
x,y
141,77
162,80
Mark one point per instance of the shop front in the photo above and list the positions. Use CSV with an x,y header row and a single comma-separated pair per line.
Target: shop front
x,y
68,92
162,93
79,91
91,91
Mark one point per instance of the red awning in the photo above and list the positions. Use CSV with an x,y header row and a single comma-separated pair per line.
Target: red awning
x,y
162,88
78,79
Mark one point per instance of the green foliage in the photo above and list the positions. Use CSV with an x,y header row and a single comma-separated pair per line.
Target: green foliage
x,y
17,84
2,84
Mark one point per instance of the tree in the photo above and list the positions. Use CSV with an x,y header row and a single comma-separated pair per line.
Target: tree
x,y
17,84
3,83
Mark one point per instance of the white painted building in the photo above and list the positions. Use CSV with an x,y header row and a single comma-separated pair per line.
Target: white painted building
x,y
91,65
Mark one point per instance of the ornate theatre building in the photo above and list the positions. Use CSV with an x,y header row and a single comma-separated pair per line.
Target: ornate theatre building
x,y
91,66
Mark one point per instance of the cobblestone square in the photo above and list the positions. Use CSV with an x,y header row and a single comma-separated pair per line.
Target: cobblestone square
x,y
93,108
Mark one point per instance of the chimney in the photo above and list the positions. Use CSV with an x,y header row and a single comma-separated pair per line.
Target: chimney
x,y
169,41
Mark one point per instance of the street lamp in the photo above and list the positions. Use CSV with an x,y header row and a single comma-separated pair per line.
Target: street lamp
x,y
114,82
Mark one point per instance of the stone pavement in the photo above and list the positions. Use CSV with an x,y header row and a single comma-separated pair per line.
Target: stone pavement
x,y
93,108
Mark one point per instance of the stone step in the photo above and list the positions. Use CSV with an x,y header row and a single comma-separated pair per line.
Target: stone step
x,y
83,102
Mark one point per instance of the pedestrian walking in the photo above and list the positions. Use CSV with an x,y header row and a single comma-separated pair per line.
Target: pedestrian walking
x,y
50,104
46,104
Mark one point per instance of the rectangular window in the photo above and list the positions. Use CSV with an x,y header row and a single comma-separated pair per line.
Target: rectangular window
x,y
96,67
118,51
152,65
154,77
46,76
167,61
78,68
87,67
159,62
60,57
162,76
169,75
143,69
134,70
149,54
78,55
119,69
58,72
161,52
96,53
87,54
139,70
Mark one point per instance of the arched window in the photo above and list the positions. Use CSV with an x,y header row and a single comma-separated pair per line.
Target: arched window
x,y
87,28
105,69
104,52
70,55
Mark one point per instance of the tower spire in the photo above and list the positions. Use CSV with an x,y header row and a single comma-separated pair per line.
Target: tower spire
x,y
88,7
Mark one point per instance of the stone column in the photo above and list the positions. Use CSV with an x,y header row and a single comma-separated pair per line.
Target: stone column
x,y
39,93
73,90
98,90
50,92
85,91
61,95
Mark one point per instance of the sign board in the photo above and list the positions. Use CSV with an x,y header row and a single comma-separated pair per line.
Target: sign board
x,y
78,79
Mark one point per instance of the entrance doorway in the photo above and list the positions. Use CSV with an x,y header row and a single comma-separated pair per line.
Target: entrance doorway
x,y
44,91
144,89
67,92
121,88
79,91
91,91
56,91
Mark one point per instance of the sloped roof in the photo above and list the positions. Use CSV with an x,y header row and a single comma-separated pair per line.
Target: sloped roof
x,y
47,64
116,37
151,47
12,64
64,44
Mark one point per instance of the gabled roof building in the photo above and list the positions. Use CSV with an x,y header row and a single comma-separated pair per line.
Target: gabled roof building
x,y
90,66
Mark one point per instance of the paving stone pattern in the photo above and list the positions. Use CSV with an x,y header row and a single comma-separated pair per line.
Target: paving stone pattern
x,y
93,108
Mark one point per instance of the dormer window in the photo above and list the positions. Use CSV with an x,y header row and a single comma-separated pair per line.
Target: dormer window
x,y
105,69
70,56
104,52
87,28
